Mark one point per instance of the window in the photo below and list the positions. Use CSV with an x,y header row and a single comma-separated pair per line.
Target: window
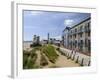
x,y
71,31
88,24
81,45
75,44
75,30
81,35
89,45
88,33
75,35
85,42
81,28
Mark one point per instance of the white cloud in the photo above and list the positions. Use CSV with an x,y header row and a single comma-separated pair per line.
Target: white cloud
x,y
68,22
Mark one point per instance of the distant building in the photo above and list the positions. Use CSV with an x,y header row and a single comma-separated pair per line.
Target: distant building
x,y
44,41
57,42
36,39
54,41
51,41
78,37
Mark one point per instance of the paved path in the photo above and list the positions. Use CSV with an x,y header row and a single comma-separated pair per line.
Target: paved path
x,y
86,58
62,61
38,57
49,63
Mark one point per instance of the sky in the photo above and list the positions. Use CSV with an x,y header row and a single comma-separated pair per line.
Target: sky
x,y
41,23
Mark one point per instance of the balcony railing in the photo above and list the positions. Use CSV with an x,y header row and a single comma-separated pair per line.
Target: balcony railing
x,y
72,33
87,29
79,31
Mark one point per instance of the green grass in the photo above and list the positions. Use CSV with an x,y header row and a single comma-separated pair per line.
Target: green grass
x,y
50,52
29,58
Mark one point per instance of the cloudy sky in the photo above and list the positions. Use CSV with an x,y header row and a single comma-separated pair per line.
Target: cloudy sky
x,y
41,23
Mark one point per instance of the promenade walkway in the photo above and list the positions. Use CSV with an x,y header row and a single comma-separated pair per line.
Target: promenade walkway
x,y
82,59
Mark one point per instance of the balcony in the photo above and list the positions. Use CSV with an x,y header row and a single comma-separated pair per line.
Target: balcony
x,y
69,33
72,33
80,31
87,29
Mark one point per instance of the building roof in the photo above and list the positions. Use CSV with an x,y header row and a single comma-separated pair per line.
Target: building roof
x,y
68,28
81,22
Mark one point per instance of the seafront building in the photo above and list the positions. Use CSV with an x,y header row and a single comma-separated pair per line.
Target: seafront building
x,y
78,37
52,41
36,39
